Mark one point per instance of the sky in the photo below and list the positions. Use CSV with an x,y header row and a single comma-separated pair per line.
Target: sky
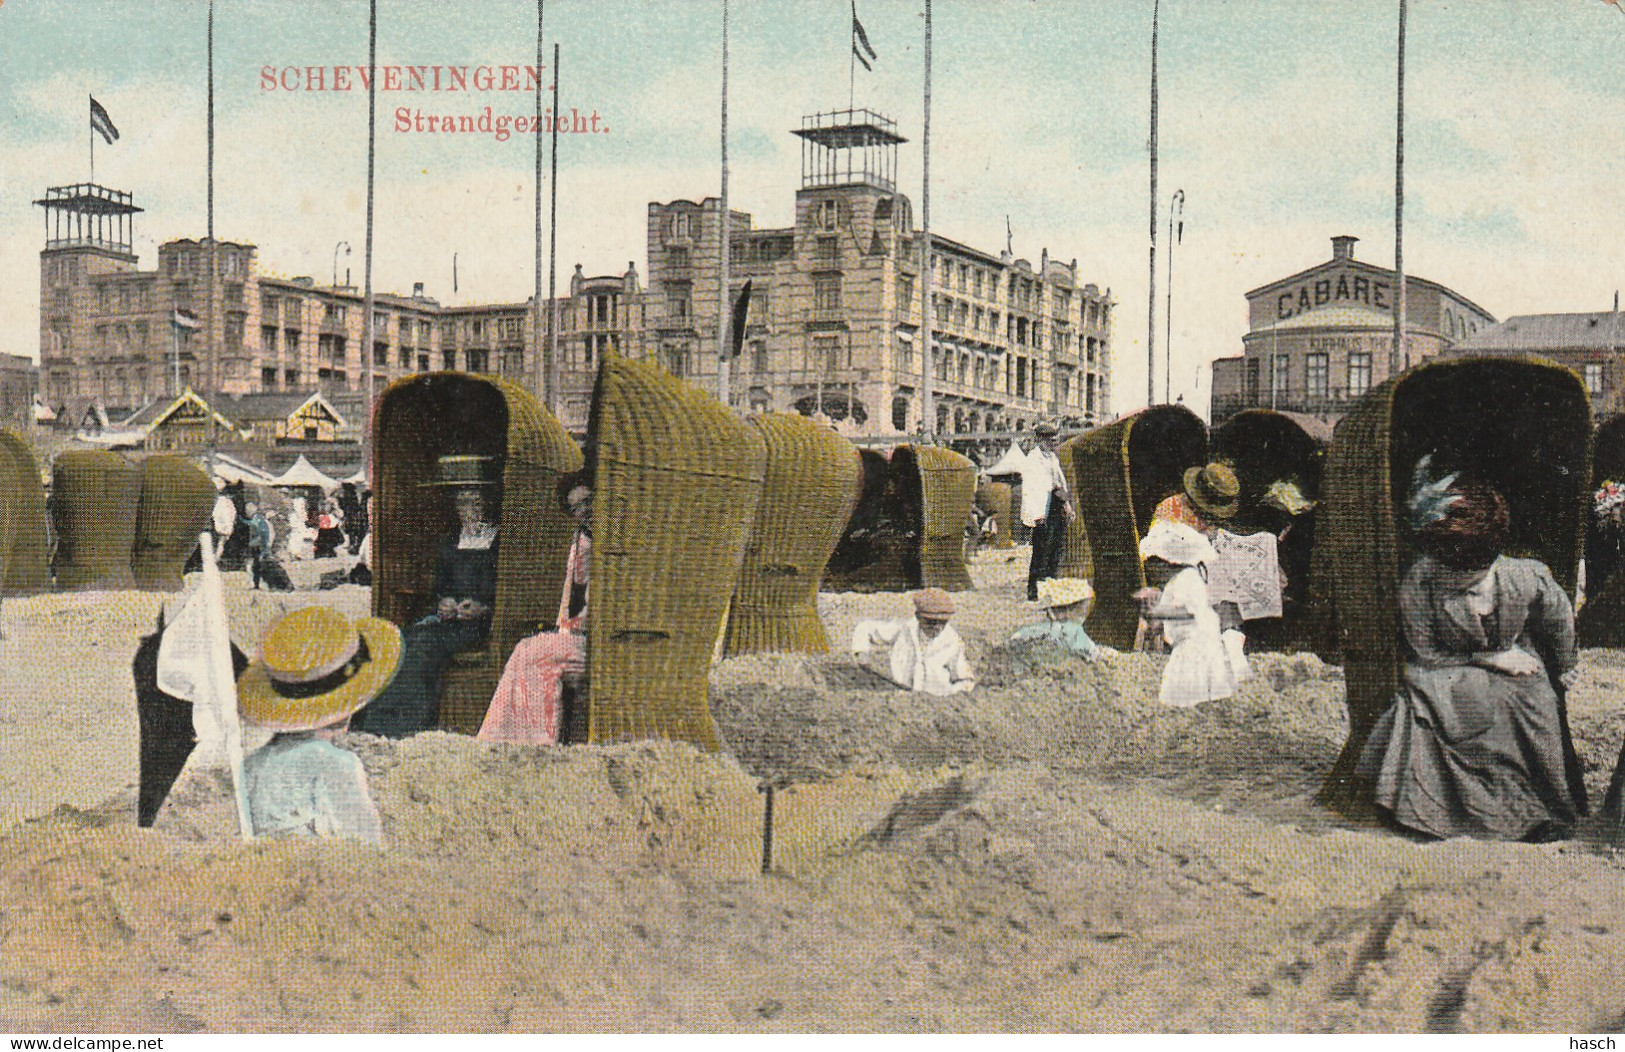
x,y
1277,119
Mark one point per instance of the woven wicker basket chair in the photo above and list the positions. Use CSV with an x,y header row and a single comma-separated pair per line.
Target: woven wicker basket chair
x,y
25,539
994,498
1266,446
92,494
812,481
880,533
421,419
947,486
1524,425
1601,621
677,483
176,504
1119,473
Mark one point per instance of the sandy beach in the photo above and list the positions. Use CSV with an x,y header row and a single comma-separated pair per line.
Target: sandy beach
x,y
1052,851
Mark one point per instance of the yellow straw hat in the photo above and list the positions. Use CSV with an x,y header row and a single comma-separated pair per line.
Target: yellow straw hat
x,y
1064,591
316,667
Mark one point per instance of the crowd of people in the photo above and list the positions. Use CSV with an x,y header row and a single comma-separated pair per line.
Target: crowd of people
x,y
1474,741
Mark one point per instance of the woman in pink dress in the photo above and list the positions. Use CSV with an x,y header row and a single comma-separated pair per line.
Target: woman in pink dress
x,y
526,708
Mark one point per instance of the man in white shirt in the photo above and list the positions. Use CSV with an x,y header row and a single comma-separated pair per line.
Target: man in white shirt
x,y
926,653
1046,507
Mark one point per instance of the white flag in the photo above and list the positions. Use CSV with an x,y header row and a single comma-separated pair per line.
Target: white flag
x,y
194,664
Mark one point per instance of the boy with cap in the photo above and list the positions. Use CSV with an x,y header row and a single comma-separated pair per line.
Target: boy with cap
x,y
316,669
926,653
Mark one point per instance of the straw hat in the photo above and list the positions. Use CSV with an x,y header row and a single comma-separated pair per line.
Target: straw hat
x,y
1046,430
1287,495
1214,489
466,470
317,667
1064,591
933,604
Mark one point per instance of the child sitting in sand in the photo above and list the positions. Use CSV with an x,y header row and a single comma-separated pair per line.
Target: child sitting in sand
x,y
926,653
1066,601
316,670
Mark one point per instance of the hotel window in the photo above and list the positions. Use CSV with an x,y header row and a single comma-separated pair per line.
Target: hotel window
x,y
1359,373
1252,378
268,378
976,282
448,360
905,293
380,322
679,296
964,276
1063,389
423,363
476,329
1314,375
1593,378
828,215
333,312
758,355
827,250
479,361
509,328
680,225
267,339
826,292
1280,372
423,334
406,358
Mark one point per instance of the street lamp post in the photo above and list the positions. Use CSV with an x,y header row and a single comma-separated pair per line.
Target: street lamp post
x,y
345,245
1176,204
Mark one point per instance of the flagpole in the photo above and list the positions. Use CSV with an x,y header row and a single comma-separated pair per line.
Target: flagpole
x,y
928,425
93,144
723,306
852,64
1151,298
372,138
553,253
214,349
539,379
1399,357
219,683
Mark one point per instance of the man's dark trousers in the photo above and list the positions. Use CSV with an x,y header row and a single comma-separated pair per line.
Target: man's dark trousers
x,y
1049,540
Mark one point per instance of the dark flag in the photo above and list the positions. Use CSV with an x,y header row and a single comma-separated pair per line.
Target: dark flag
x,y
100,122
860,40
741,314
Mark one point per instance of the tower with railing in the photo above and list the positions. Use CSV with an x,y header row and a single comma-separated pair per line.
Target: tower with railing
x,y
89,232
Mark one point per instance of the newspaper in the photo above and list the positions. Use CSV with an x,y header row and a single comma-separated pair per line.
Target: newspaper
x,y
1247,572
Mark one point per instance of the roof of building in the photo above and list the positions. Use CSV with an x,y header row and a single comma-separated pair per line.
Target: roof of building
x,y
1546,332
156,412
1411,280
272,405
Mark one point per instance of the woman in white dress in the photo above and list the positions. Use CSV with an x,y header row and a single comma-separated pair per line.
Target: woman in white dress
x,y
1200,666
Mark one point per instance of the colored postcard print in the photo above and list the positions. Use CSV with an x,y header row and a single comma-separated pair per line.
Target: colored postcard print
x,y
800,515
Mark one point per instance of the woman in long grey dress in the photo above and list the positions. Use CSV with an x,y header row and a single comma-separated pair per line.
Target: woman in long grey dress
x,y
1476,741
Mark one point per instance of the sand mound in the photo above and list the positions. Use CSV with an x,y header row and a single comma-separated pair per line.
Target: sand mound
x,y
1053,851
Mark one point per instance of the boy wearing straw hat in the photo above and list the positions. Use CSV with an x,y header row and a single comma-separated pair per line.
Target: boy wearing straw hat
x,y
1066,601
316,669
926,653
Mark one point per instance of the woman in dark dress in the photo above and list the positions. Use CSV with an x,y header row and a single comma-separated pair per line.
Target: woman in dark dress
x,y
464,589
1476,741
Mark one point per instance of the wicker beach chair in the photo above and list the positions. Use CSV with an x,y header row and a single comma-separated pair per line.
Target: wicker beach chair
x,y
421,419
947,486
881,530
677,482
1522,424
995,499
812,481
1119,473
1601,621
93,493
25,540
176,503
1266,446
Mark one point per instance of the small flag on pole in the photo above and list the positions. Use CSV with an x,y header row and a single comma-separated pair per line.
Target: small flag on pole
x,y
182,320
101,123
194,664
741,314
860,40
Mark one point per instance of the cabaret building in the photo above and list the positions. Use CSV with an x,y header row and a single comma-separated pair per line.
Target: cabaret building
x,y
1321,338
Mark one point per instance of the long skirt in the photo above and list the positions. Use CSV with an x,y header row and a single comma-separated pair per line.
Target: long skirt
x,y
526,708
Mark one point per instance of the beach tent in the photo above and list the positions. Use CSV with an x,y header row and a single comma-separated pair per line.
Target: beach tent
x,y
811,482
421,419
95,495
1521,424
303,474
1011,463
1266,447
229,469
1119,473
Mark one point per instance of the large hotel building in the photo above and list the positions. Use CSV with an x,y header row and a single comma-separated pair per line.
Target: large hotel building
x,y
834,322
